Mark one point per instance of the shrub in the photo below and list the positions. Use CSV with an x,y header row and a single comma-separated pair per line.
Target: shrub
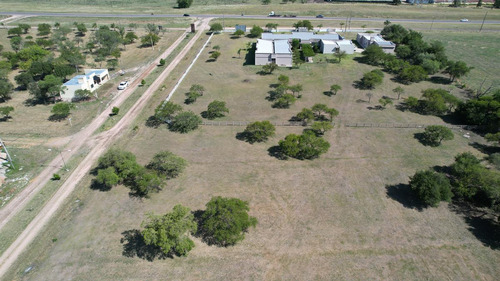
x,y
431,187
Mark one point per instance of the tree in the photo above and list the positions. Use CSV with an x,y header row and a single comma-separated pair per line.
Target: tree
x,y
167,164
256,31
170,232
307,50
334,89
72,55
50,87
239,33
167,111
296,89
185,122
437,101
5,111
24,27
216,109
184,3
225,220
304,23
259,131
6,89
283,79
115,110
373,55
412,73
16,31
81,29
61,110
305,146
16,43
284,101
340,55
270,26
44,29
162,62
431,187
265,2
81,95
435,134
457,69
130,37
215,55
385,101
150,39
107,177
399,91
216,27
321,127
372,79
269,68
467,173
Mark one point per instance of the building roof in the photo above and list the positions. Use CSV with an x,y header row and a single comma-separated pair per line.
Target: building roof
x,y
303,36
377,38
264,47
88,74
74,80
344,42
282,47
328,42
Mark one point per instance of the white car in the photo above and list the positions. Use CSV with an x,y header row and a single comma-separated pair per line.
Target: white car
x,y
464,20
123,85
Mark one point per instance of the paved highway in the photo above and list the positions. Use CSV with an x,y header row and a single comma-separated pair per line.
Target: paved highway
x,y
83,15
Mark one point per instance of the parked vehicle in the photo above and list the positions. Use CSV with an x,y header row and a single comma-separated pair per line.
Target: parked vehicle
x,y
464,20
123,85
319,16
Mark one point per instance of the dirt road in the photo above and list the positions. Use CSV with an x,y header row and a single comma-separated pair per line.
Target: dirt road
x,y
100,143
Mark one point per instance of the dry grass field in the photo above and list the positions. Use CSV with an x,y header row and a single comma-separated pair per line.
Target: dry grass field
x,y
344,216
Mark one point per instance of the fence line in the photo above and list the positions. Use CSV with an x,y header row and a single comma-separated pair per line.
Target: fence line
x,y
405,125
245,123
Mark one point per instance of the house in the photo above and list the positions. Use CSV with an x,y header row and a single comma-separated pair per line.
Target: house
x,y
367,39
91,80
273,51
330,46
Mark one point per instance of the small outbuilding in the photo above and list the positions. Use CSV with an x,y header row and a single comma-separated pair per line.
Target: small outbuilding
x,y
241,27
367,39
330,46
91,80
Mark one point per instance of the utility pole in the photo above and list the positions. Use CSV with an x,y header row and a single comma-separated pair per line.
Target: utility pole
x,y
2,145
432,24
481,28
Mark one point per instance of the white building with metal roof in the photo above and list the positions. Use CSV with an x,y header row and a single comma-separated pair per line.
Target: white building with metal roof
x,y
367,39
273,51
330,46
91,80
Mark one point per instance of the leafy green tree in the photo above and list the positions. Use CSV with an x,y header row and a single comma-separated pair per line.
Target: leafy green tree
x,y
184,3
385,101
63,70
143,182
61,110
115,110
130,38
215,55
321,127
16,43
23,79
457,69
437,101
24,27
435,134
431,66
107,177
467,174
185,122
150,39
170,232
47,89
270,26
305,146
394,32
306,115
191,97
6,89
340,55
226,220
16,31
371,79
269,68
296,89
259,131
82,95
284,101
307,50
239,33
216,109
167,111
5,111
334,89
167,164
373,55
283,79
431,187
216,27
81,29
304,23
412,73
399,91
265,2
44,29
256,31
72,55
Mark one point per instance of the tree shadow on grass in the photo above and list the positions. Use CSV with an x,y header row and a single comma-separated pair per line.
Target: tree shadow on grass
x,y
486,149
403,194
134,246
94,185
57,117
244,136
440,80
275,151
481,223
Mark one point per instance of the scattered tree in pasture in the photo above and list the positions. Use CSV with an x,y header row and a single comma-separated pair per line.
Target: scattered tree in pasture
x,y
216,109
269,68
167,164
372,79
107,177
16,31
296,89
340,55
167,111
162,62
170,232
61,110
185,122
431,187
16,43
256,31
412,73
306,115
215,55
130,38
24,27
259,131
5,111
435,134
225,221
457,69
81,29
216,27
399,91
305,146
182,4
385,101
283,79
239,33
321,127
334,89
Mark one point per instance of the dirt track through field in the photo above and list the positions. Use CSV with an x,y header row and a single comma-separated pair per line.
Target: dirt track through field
x,y
100,143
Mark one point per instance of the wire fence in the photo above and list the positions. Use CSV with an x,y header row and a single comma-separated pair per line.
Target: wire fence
x,y
405,125
245,123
